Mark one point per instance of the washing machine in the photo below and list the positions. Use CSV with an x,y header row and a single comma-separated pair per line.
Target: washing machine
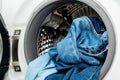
x,y
31,15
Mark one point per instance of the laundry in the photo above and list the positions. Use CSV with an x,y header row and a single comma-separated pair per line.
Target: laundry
x,y
71,56
79,56
98,24
40,68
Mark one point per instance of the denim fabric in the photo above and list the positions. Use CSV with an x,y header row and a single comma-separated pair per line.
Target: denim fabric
x,y
75,73
40,68
81,54
98,24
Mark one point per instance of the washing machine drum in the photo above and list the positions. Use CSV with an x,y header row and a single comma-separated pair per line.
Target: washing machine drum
x,y
51,23
4,49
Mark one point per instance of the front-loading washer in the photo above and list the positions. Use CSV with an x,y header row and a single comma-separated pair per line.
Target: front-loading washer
x,y
32,14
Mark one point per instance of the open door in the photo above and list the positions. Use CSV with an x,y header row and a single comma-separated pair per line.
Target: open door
x,y
4,49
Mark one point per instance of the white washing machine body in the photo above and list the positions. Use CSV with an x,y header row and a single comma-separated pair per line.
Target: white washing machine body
x,y
26,10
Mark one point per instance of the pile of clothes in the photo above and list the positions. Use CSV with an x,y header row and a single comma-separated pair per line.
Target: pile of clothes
x,y
79,56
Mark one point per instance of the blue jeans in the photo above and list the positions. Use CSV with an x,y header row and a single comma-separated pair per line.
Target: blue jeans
x,y
40,68
81,54
98,24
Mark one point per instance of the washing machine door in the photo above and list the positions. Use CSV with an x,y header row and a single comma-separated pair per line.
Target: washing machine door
x,y
4,49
